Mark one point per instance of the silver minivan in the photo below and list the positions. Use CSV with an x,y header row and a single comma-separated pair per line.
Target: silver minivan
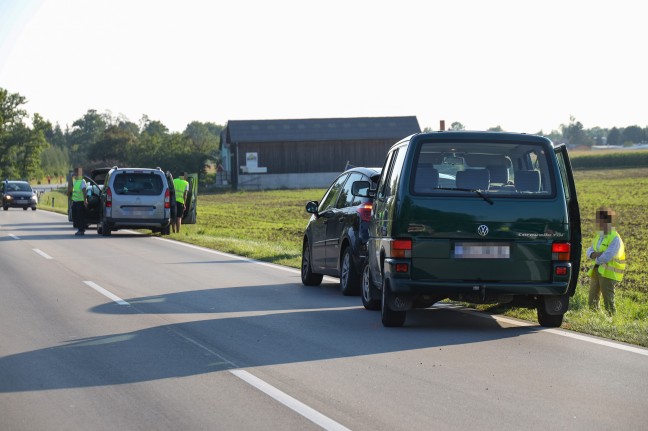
x,y
135,198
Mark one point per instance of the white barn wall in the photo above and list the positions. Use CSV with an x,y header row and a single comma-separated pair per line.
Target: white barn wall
x,y
286,181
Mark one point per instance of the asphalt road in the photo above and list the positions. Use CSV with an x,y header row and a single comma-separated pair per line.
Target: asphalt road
x,y
133,332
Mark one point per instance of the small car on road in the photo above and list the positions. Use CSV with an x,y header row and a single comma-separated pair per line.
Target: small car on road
x,y
335,239
18,194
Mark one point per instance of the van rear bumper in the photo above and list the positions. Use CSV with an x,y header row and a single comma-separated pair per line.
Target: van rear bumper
x,y
136,224
402,283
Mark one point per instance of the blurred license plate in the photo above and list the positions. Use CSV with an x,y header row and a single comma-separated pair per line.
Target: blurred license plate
x,y
21,201
482,250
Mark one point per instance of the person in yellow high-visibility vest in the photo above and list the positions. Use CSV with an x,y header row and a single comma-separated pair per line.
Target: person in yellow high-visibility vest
x,y
77,191
181,186
608,253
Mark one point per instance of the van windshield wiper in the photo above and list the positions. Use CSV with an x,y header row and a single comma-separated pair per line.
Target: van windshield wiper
x,y
479,193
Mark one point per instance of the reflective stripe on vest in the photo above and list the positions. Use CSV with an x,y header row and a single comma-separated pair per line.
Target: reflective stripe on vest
x,y
615,268
77,191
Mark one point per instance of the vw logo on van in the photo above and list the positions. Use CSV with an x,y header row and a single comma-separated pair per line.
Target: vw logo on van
x,y
482,230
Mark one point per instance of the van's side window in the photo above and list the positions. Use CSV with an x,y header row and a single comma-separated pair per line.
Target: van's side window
x,y
390,181
562,167
386,175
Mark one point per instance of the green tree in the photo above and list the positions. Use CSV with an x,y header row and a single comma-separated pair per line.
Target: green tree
x,y
457,126
614,137
573,134
203,140
113,146
632,135
495,129
597,135
55,161
11,118
151,146
86,131
20,144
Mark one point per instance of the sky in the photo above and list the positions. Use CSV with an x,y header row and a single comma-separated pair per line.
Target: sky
x,y
525,66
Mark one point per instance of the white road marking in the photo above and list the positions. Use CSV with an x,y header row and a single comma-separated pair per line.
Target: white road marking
x,y
14,236
290,402
599,341
42,253
106,293
285,399
555,331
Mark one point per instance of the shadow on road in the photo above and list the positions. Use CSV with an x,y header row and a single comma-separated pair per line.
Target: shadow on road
x,y
336,329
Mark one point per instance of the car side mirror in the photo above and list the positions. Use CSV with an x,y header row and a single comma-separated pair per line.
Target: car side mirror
x,y
311,207
363,189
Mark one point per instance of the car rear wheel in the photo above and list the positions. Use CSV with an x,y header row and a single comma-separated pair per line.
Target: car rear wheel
x,y
349,277
369,292
309,278
390,318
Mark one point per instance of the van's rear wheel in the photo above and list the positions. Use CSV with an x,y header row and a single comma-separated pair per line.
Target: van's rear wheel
x,y
390,318
551,310
548,320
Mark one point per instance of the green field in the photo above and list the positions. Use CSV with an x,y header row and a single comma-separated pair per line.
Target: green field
x,y
269,226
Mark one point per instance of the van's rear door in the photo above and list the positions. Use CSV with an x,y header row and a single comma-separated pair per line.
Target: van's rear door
x,y
192,195
569,185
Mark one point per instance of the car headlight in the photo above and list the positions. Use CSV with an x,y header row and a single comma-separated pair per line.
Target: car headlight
x,y
8,197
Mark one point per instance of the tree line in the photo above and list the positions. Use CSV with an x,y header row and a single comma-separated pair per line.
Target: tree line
x,y
32,147
575,134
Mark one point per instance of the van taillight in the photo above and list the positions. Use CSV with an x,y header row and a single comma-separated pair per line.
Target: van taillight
x,y
365,212
108,197
561,251
167,199
401,248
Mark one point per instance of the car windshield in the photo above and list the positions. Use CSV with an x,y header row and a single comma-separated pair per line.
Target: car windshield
x,y
138,183
515,169
19,187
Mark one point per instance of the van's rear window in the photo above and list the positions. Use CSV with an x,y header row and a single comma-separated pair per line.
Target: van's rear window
x,y
494,169
136,183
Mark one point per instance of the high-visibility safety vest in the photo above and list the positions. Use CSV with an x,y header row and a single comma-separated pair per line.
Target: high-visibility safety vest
x,y
77,190
180,186
615,268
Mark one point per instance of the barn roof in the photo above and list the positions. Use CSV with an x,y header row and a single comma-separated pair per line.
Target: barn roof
x,y
321,129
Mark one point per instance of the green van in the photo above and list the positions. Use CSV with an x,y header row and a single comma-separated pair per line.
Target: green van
x,y
478,217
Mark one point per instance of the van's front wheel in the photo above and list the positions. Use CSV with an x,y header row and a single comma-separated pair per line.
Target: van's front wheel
x,y
390,318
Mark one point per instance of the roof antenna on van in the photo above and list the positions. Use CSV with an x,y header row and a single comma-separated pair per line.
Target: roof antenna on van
x,y
442,125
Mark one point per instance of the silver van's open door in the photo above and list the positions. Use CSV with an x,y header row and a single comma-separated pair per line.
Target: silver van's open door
x,y
564,165
190,210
